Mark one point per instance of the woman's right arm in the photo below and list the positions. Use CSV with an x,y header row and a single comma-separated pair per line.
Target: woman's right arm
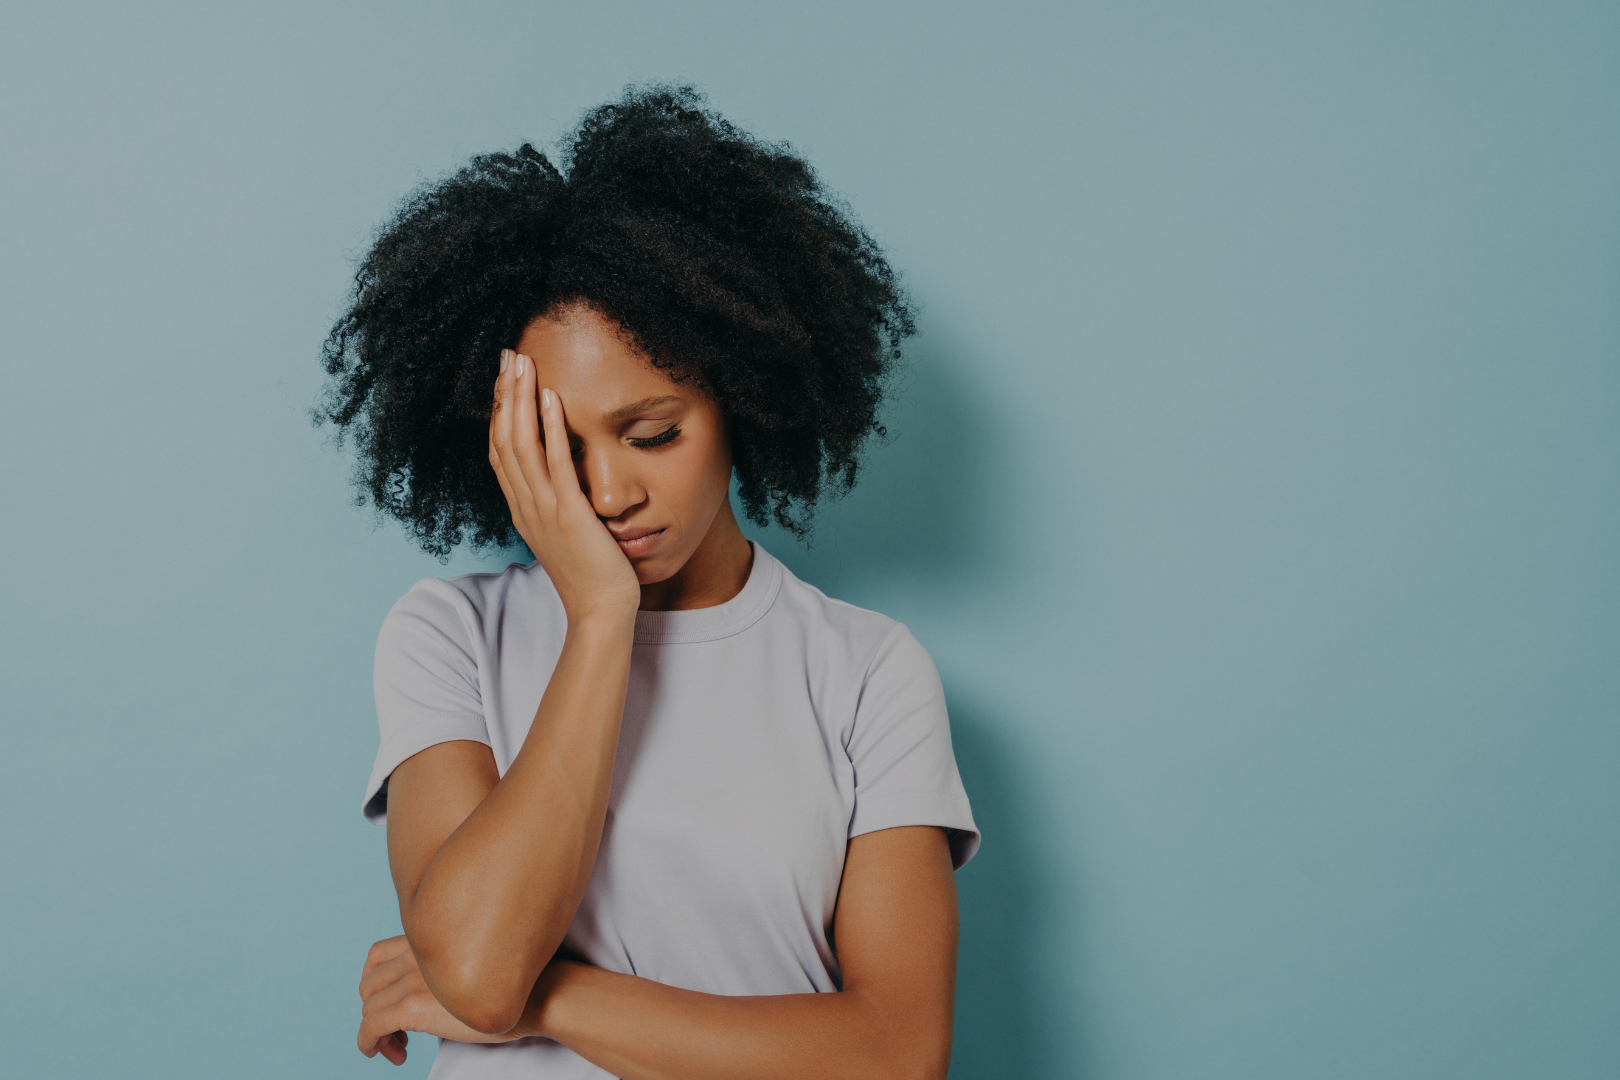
x,y
490,869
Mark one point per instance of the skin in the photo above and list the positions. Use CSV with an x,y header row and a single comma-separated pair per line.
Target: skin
x,y
490,869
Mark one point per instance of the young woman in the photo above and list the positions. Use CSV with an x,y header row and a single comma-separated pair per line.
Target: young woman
x,y
656,808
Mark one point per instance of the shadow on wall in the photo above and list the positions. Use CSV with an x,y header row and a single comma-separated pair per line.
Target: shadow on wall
x,y
914,527
995,1011
915,516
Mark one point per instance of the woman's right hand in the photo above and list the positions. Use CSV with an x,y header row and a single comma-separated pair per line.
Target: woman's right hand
x,y
552,514
396,999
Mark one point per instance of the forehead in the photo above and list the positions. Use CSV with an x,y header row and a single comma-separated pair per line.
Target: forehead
x,y
591,365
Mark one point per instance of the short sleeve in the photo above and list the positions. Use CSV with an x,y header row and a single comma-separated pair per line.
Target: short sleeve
x,y
900,745
426,683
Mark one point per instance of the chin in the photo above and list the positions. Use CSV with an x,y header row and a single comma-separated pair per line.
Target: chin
x,y
649,574
657,567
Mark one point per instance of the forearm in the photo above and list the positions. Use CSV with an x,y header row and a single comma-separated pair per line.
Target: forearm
x,y
499,894
642,1030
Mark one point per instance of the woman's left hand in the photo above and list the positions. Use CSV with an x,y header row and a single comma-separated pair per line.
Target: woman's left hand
x,y
397,1000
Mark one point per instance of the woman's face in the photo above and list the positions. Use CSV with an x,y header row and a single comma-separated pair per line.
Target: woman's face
x,y
651,454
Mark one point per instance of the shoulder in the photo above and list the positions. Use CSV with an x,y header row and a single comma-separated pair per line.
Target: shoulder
x,y
863,637
471,604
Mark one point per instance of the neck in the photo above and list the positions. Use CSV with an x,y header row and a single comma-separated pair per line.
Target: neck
x,y
716,572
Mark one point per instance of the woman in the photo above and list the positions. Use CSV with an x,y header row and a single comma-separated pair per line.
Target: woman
x,y
636,789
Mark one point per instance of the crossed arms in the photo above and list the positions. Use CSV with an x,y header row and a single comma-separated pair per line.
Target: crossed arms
x,y
490,870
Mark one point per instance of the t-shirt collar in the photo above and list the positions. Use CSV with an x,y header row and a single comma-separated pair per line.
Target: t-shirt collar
x,y
723,620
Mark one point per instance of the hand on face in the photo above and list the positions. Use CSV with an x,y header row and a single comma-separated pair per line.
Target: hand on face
x,y
549,509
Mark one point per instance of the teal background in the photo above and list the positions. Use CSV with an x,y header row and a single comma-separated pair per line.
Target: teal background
x,y
1257,491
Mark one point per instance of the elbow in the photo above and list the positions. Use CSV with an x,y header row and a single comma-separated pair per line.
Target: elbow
x,y
475,1006
487,997
909,1069
489,1017
486,1014
922,1068
920,1059
903,1041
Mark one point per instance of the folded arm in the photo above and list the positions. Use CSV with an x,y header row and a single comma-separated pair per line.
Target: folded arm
x,y
896,927
490,868
896,931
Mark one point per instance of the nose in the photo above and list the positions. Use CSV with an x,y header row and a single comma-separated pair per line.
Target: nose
x,y
610,481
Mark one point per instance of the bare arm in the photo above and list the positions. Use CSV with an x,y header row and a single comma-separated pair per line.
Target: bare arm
x,y
489,869
896,929
489,872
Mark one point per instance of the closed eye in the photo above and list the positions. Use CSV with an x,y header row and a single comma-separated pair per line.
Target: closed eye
x,y
665,436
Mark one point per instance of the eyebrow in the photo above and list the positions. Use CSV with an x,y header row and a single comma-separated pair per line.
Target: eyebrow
x,y
625,412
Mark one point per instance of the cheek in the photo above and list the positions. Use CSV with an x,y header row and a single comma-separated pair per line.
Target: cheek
x,y
698,482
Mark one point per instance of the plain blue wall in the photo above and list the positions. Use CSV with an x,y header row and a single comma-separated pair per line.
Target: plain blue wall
x,y
1257,491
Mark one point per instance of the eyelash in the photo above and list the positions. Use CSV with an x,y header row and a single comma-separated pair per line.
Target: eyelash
x,y
662,438
665,436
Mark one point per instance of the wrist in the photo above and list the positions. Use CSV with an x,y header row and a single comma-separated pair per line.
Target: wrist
x,y
602,622
549,999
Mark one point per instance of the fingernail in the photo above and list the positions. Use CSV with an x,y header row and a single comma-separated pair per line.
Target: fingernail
x,y
506,358
519,372
545,399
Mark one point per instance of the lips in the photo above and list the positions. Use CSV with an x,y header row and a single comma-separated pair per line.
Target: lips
x,y
636,542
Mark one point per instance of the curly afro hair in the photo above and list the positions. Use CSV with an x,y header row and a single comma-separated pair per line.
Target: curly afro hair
x,y
721,256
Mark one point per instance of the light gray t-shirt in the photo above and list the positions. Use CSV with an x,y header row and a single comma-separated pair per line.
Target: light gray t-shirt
x,y
758,737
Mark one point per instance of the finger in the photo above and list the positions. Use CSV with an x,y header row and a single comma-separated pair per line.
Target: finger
x,y
390,1045
390,971
515,502
407,1012
500,416
498,407
559,455
505,427
390,994
526,437
381,952
379,1027
500,423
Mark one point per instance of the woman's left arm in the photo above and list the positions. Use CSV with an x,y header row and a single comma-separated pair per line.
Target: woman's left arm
x,y
896,927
